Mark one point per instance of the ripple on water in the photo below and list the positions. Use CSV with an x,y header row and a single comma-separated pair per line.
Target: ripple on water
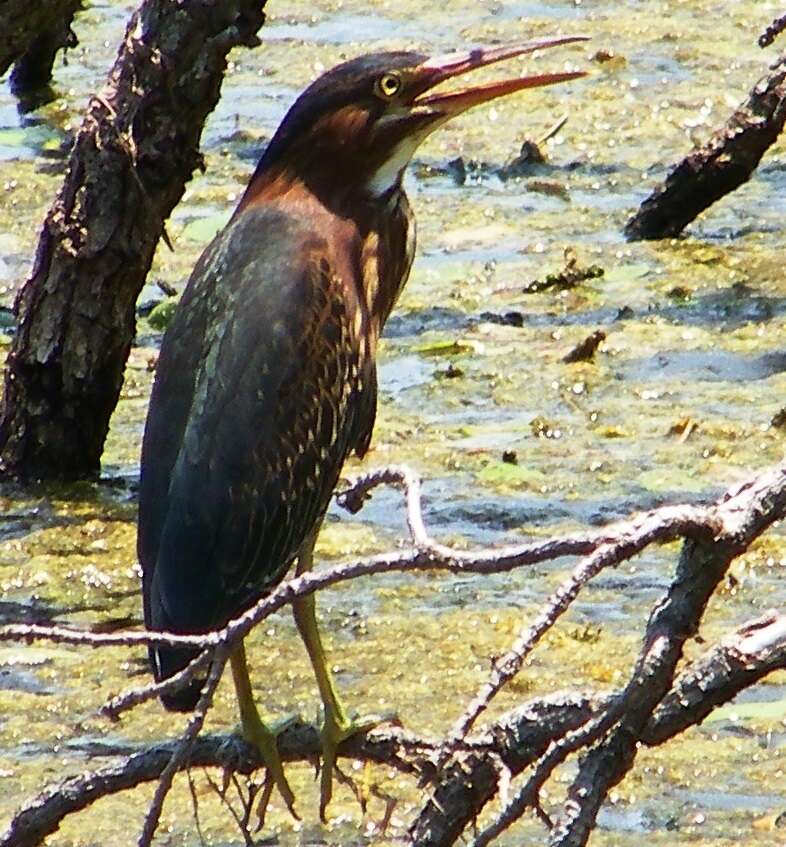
x,y
28,140
625,819
529,10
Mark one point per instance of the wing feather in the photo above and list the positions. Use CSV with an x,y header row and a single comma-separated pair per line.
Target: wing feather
x,y
260,396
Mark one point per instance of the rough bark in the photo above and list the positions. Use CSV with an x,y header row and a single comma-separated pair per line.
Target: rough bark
x,y
136,149
30,36
724,163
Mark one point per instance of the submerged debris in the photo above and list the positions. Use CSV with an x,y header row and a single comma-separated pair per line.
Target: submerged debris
x,y
585,350
451,372
684,428
779,419
549,187
529,156
569,277
608,58
680,293
507,319
161,316
166,287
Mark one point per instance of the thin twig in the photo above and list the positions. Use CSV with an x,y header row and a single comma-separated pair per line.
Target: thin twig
x,y
135,696
716,532
515,739
663,526
703,564
195,807
193,728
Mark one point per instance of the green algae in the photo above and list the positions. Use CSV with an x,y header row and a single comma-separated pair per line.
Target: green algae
x,y
161,315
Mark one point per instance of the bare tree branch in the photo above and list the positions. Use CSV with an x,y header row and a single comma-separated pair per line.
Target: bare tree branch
x,y
724,163
180,754
468,783
541,734
663,526
703,563
747,655
136,696
773,31
741,659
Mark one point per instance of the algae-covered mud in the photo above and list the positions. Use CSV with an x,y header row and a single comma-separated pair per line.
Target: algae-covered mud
x,y
512,442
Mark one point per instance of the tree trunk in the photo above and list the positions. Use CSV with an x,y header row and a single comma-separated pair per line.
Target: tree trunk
x,y
31,33
136,149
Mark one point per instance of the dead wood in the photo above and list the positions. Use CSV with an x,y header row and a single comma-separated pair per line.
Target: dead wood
x,y
463,772
136,149
30,36
718,167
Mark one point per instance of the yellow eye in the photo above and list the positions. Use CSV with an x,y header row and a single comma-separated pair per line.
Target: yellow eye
x,y
389,85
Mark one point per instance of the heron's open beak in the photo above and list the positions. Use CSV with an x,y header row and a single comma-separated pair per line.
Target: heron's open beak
x,y
438,69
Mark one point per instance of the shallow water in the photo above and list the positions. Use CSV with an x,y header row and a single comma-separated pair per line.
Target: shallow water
x,y
470,366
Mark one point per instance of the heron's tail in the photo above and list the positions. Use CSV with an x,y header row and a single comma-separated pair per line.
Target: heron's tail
x,y
171,604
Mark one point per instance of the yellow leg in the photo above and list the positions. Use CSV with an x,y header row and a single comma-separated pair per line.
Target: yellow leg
x,y
337,727
255,730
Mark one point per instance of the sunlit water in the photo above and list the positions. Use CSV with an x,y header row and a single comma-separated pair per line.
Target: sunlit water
x,y
694,334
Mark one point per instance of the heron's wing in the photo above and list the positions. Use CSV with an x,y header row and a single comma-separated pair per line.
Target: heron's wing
x,y
170,404
251,434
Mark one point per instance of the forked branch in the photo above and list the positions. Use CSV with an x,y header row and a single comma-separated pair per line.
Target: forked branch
x,y
464,772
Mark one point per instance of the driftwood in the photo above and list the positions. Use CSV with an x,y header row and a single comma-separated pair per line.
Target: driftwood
x,y
30,36
772,32
718,167
133,155
468,768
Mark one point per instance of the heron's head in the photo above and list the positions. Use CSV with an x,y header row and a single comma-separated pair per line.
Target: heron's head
x,y
357,126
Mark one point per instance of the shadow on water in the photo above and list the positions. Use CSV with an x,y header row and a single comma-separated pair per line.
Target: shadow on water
x,y
29,611
727,308
428,319
704,365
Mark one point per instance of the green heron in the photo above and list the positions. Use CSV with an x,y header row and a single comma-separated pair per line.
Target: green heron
x,y
266,379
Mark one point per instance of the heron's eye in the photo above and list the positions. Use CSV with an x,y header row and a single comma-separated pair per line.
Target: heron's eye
x,y
388,85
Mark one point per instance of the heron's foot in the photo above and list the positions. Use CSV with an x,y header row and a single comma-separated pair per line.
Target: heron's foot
x,y
264,737
337,729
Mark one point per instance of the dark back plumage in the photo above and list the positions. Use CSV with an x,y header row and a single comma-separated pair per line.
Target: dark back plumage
x,y
263,388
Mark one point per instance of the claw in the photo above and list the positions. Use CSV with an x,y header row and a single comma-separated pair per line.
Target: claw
x,y
255,731
264,738
336,730
264,801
